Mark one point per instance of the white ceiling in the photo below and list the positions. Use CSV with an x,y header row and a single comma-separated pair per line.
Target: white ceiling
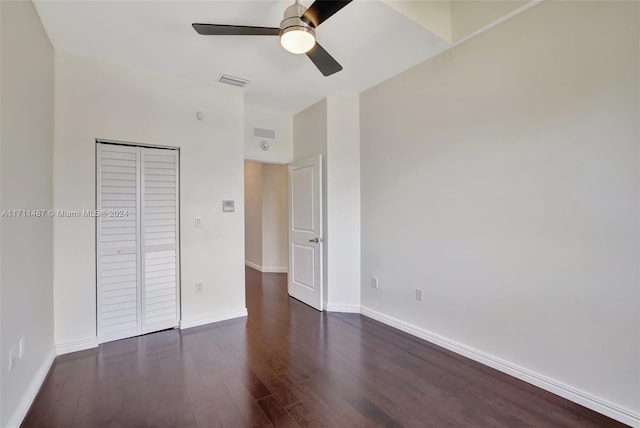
x,y
371,40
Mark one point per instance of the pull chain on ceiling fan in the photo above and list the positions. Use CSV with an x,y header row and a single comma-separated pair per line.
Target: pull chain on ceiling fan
x,y
297,31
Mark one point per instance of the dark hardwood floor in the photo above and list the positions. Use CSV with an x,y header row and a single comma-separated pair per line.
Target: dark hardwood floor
x,y
287,366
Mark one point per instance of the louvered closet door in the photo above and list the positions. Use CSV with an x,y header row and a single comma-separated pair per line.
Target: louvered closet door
x,y
118,242
159,211
137,254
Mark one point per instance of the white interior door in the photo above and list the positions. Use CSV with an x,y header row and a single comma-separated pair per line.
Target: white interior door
x,y
137,253
305,231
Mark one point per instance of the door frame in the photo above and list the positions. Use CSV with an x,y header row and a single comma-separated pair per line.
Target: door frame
x,y
99,141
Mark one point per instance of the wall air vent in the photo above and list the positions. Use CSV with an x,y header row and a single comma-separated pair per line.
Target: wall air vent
x,y
264,133
235,81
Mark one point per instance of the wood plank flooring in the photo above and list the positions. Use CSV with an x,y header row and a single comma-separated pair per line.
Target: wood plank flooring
x,y
288,365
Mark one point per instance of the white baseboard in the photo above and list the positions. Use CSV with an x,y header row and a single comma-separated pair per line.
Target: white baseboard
x,y
266,269
211,318
347,309
274,270
587,400
253,265
76,345
32,391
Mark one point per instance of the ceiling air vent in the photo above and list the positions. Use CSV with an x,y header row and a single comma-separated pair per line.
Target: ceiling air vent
x,y
235,81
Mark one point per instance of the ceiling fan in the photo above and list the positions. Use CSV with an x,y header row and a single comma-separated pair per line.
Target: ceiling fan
x,y
297,31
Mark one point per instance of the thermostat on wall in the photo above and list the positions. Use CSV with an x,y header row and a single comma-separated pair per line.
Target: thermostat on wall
x,y
228,206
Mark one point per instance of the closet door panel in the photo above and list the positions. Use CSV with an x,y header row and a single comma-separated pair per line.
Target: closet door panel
x,y
117,243
159,233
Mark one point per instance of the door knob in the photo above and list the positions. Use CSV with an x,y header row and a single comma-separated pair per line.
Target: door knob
x,y
316,240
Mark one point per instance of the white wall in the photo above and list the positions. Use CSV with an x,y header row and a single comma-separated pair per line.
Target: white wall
x,y
253,213
435,16
281,148
469,16
343,202
26,268
331,128
503,178
100,100
275,220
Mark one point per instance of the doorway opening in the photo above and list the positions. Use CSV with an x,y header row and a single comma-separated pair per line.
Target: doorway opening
x,y
284,226
266,217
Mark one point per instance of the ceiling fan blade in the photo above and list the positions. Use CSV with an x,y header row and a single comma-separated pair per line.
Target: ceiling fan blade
x,y
325,62
321,10
234,30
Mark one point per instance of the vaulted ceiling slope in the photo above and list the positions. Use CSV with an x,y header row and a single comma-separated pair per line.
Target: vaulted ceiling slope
x,y
371,40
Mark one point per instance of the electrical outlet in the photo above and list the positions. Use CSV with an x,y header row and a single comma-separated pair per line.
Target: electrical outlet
x,y
21,348
419,294
12,358
374,282
198,287
198,221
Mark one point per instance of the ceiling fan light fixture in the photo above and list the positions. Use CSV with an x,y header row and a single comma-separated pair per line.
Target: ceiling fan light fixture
x,y
297,40
296,35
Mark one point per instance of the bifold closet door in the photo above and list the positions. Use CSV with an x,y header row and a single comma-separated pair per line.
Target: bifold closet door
x,y
118,242
159,219
137,252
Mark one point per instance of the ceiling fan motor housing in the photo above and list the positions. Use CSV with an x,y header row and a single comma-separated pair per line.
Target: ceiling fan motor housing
x,y
293,22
